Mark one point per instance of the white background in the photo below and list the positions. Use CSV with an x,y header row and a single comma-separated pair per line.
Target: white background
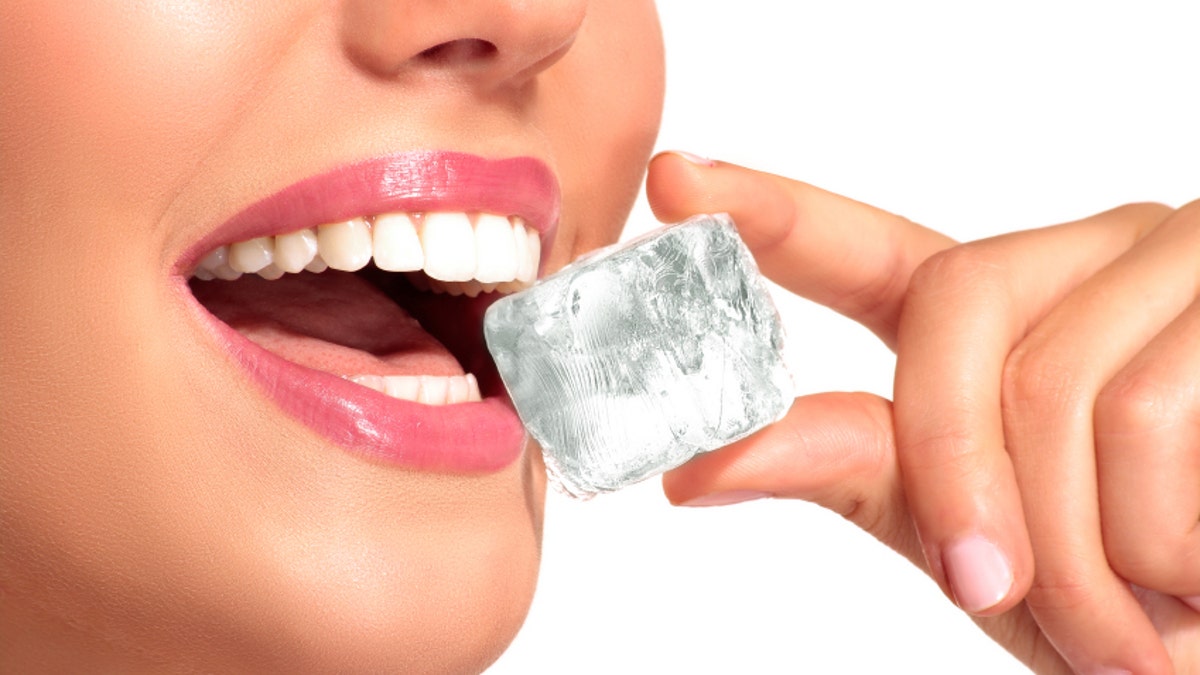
x,y
973,118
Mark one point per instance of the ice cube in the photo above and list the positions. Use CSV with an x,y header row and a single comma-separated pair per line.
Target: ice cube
x,y
632,360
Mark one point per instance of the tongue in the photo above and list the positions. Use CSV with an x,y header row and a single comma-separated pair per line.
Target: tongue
x,y
334,321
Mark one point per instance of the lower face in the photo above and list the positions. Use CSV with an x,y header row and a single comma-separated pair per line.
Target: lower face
x,y
229,473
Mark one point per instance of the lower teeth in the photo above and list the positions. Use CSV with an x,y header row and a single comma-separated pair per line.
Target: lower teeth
x,y
426,389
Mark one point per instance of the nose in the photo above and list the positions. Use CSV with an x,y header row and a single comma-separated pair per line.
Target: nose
x,y
493,41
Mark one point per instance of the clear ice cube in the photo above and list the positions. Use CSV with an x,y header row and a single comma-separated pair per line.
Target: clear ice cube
x,y
632,360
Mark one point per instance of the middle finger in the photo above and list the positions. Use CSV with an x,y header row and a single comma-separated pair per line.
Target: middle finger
x,y
1052,380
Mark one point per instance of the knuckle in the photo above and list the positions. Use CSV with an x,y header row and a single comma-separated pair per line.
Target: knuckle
x,y
876,296
1190,212
1145,217
1137,403
1141,559
1184,221
1038,381
1067,590
939,450
1155,552
968,269
1149,212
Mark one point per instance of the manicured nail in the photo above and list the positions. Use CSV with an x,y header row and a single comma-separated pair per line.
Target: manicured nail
x,y
979,573
693,158
726,498
1192,601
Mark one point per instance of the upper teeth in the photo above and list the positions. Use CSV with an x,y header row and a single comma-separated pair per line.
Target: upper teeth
x,y
467,253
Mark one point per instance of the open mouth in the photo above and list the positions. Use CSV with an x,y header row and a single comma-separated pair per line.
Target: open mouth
x,y
369,328
353,298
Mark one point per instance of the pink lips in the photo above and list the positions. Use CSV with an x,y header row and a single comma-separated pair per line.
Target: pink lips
x,y
410,182
470,437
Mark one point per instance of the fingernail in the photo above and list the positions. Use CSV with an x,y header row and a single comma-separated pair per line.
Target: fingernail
x,y
726,498
693,158
1110,671
1192,601
979,573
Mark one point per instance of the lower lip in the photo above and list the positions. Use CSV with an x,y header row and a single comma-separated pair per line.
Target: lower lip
x,y
480,437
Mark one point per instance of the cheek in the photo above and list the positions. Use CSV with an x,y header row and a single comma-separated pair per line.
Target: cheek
x,y
139,499
132,504
117,102
603,114
103,124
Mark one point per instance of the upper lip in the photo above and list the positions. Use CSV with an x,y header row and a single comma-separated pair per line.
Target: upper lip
x,y
468,437
412,182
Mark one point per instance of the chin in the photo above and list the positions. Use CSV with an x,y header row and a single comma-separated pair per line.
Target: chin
x,y
411,588
455,612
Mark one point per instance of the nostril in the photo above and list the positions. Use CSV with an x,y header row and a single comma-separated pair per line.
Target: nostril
x,y
458,51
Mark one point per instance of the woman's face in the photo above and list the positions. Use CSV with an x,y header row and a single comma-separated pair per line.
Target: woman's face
x,y
181,488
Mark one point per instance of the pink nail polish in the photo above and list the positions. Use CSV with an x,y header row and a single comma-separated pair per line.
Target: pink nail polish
x,y
726,498
693,158
978,571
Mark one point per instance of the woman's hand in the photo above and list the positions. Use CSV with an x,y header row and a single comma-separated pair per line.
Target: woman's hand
x,y
1054,373
1045,410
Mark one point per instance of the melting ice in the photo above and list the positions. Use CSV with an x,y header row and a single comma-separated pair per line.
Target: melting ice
x,y
636,358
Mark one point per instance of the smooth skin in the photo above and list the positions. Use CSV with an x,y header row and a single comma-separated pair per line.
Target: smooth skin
x,y
1045,411
157,512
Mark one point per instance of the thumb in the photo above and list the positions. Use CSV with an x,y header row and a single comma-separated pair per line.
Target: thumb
x,y
836,449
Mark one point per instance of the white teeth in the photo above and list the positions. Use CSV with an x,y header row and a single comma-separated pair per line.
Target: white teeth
x,y
397,247
456,390
217,264
295,251
427,389
251,255
449,244
433,390
270,272
406,387
459,254
533,256
521,246
369,381
495,252
317,265
346,245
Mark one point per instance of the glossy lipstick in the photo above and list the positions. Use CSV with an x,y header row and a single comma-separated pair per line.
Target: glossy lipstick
x,y
463,438
410,182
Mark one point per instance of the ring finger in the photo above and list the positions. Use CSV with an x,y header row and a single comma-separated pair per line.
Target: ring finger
x,y
1148,463
1052,381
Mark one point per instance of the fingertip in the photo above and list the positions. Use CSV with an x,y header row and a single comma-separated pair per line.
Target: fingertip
x,y
680,184
834,448
980,575
675,489
710,473
726,498
985,570
689,157
674,184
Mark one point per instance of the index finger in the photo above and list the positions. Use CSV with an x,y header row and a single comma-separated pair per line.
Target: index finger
x,y
851,257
